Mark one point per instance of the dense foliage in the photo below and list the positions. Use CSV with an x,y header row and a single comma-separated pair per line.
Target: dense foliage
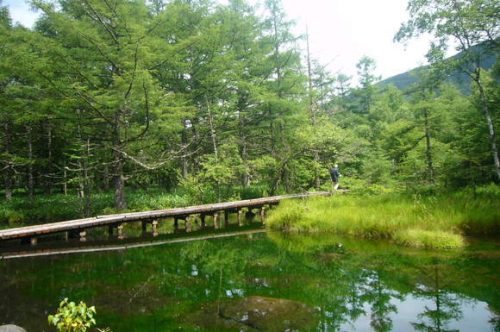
x,y
217,101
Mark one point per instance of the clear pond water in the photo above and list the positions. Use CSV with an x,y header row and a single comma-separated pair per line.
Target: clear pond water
x,y
265,282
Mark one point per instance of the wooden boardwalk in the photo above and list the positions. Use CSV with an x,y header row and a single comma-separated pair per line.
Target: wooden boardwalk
x,y
116,221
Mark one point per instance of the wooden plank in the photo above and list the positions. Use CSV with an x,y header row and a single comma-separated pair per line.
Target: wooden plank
x,y
109,220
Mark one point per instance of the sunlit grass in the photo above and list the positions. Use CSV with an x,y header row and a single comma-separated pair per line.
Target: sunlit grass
x,y
430,222
429,239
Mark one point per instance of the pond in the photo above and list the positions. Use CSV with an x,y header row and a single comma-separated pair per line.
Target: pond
x,y
263,281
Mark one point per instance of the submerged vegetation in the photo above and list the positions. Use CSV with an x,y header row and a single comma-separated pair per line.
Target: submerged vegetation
x,y
434,221
338,283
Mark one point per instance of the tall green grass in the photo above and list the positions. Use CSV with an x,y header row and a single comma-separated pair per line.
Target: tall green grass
x,y
421,221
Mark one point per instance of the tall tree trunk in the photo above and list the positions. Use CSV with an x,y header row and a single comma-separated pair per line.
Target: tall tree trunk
x,y
83,168
244,158
244,145
119,181
8,168
312,110
491,127
65,179
49,158
213,134
428,147
118,176
31,185
183,157
105,176
87,200
277,69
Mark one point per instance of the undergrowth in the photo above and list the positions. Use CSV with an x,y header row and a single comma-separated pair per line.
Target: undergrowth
x,y
21,211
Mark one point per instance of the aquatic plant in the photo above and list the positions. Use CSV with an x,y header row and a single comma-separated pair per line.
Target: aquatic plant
x,y
72,317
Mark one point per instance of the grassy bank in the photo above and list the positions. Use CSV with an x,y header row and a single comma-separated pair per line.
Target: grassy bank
x,y
438,221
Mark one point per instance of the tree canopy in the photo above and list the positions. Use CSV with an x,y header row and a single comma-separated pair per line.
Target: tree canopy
x,y
223,101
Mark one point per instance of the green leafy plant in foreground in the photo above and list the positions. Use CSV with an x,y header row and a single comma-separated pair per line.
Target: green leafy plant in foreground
x,y
72,317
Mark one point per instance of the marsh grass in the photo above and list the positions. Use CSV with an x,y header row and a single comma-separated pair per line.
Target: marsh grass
x,y
413,220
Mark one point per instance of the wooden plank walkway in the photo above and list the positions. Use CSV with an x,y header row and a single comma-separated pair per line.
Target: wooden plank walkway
x,y
116,220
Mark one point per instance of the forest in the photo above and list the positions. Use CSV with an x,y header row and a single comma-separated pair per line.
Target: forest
x,y
113,105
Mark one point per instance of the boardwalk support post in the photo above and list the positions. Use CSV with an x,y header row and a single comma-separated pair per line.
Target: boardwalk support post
x,y
154,226
83,235
203,221
176,224
144,226
226,218
188,224
120,231
33,241
216,220
240,220
263,214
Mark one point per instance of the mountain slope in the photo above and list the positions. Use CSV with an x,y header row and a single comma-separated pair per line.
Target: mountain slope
x,y
404,80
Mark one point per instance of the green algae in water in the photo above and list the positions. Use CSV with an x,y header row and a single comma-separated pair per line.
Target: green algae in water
x,y
264,282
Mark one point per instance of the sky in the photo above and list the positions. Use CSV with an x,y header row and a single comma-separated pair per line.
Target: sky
x,y
340,32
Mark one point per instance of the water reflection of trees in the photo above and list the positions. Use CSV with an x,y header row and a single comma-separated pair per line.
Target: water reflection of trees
x,y
222,265
379,297
343,281
343,288
446,307
366,279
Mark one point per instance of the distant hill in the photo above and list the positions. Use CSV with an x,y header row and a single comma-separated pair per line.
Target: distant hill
x,y
458,78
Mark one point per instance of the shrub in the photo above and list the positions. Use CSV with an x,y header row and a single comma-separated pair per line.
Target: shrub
x,y
71,317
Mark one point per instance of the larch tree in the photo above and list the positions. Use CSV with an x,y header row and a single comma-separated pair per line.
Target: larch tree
x,y
466,23
104,50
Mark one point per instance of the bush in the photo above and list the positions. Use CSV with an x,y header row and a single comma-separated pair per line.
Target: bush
x,y
71,317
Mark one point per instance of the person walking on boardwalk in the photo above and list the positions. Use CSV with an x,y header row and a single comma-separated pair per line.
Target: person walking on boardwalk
x,y
335,174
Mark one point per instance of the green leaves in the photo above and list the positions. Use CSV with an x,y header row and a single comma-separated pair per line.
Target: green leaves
x,y
72,317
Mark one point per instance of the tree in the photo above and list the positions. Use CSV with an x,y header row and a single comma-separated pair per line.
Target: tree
x,y
104,53
365,94
284,85
343,87
467,23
